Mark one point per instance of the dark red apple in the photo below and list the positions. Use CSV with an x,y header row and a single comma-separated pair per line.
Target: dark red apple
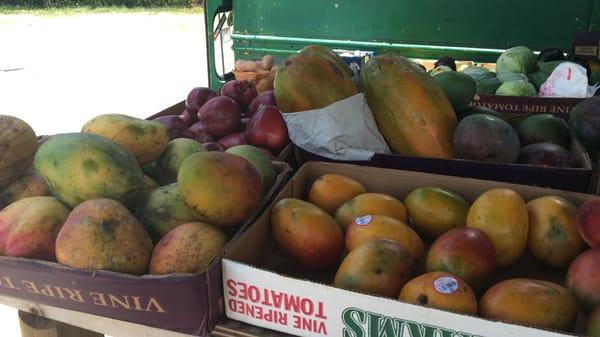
x,y
268,129
233,139
213,146
588,222
242,91
266,98
197,97
220,115
175,125
189,117
198,132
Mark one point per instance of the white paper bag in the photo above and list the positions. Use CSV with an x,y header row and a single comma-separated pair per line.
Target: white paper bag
x,y
568,80
344,130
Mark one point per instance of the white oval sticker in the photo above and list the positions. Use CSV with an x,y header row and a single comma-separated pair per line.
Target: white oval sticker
x,y
363,220
445,285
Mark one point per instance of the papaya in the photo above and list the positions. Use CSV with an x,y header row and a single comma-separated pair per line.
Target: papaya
x,y
83,166
411,111
530,302
311,81
18,143
146,140
329,54
29,185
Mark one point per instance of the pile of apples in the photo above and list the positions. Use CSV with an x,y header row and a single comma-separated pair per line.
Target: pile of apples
x,y
235,116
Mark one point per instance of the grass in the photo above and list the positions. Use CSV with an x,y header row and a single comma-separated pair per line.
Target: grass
x,y
6,10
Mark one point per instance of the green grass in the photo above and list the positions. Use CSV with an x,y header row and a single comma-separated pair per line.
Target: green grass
x,y
96,10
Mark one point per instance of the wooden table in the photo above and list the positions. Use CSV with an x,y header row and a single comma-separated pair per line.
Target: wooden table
x,y
115,328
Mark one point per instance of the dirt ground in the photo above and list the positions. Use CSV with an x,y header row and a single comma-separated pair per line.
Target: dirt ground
x,y
57,72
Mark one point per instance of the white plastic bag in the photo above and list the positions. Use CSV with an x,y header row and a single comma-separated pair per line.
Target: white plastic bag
x,y
344,130
568,80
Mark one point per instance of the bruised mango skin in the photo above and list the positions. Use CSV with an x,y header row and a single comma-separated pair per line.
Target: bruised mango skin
x,y
553,235
370,227
501,214
29,185
224,189
377,267
530,302
411,110
434,211
440,290
28,227
307,233
102,234
84,166
162,210
188,248
145,140
370,203
331,190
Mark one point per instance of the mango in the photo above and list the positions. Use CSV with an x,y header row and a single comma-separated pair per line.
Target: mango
x,y
530,302
583,278
501,214
259,160
80,167
553,237
370,227
150,183
29,185
466,253
28,227
163,209
145,140
188,248
588,222
102,234
224,189
440,290
370,203
331,190
433,211
378,267
168,164
307,233
18,143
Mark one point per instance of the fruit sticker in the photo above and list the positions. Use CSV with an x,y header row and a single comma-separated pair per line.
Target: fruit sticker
x,y
445,285
363,220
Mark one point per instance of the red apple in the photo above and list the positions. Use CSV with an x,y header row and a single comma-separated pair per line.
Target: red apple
x,y
197,97
268,129
242,91
588,222
175,125
213,146
233,139
189,117
266,98
220,115
198,132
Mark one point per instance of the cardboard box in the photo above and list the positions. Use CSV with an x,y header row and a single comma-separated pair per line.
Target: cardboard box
x,y
578,179
176,109
262,287
513,105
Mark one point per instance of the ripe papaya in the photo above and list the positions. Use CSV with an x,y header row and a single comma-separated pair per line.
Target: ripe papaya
x,y
411,111
327,53
311,81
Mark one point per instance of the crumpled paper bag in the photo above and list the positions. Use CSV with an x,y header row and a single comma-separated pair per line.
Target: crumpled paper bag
x,y
344,130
